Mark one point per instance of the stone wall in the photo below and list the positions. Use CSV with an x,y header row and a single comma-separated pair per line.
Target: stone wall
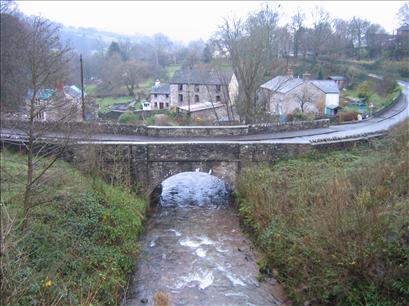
x,y
196,131
77,127
89,128
287,126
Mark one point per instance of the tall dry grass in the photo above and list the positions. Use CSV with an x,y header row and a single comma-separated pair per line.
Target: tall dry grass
x,y
335,226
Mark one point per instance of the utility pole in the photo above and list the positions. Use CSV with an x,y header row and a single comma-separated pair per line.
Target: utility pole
x,y
188,90
82,90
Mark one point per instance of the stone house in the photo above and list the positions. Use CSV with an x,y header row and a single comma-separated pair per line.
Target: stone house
x,y
192,86
285,94
62,103
160,96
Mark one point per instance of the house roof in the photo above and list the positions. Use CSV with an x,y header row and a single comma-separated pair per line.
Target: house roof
x,y
326,86
196,107
122,107
282,84
73,91
337,77
42,94
202,76
160,89
405,27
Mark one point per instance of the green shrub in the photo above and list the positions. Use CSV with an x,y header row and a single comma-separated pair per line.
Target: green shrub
x,y
128,118
364,89
150,120
335,226
404,71
298,115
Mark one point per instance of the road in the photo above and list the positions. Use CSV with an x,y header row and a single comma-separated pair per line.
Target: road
x,y
372,126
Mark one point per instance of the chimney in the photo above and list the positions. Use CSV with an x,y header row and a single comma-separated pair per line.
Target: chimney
x,y
157,83
59,87
306,76
290,73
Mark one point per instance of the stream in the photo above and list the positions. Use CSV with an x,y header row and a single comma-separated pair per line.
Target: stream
x,y
194,251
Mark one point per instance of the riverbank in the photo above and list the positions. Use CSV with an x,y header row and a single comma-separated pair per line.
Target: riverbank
x,y
80,242
334,226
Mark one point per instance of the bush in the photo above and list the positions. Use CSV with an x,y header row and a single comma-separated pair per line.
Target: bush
x,y
404,70
364,90
335,226
298,115
128,118
346,116
150,120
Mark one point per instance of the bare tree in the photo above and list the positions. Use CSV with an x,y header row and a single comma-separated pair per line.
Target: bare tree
x,y
13,80
44,60
320,32
304,98
403,14
358,28
250,45
297,27
132,73
341,41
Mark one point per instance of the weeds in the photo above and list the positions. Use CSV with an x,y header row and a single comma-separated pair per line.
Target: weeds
x,y
336,225
77,249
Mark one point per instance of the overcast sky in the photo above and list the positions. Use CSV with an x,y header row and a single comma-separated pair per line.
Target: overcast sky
x,y
192,20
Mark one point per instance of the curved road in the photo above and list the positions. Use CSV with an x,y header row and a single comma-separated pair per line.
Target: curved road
x,y
374,126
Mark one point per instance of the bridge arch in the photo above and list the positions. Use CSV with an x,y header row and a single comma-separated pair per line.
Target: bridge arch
x,y
206,186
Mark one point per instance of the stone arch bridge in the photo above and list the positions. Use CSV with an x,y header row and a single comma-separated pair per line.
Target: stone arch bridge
x,y
147,165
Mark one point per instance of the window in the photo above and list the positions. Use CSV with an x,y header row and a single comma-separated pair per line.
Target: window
x,y
196,88
167,104
218,98
167,96
40,116
155,95
218,88
196,98
180,98
180,87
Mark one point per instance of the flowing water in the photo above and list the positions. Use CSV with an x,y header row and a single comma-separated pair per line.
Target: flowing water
x,y
194,251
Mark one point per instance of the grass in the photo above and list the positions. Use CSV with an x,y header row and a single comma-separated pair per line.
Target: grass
x,y
78,248
171,69
90,89
105,103
334,225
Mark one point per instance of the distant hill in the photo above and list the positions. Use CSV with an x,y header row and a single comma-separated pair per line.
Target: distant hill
x,y
89,40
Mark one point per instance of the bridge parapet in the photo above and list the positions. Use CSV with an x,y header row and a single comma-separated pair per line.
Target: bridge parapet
x,y
86,129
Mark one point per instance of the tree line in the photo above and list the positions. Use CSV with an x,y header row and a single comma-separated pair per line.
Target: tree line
x,y
125,64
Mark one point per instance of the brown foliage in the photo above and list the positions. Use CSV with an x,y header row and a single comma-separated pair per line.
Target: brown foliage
x,y
161,298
